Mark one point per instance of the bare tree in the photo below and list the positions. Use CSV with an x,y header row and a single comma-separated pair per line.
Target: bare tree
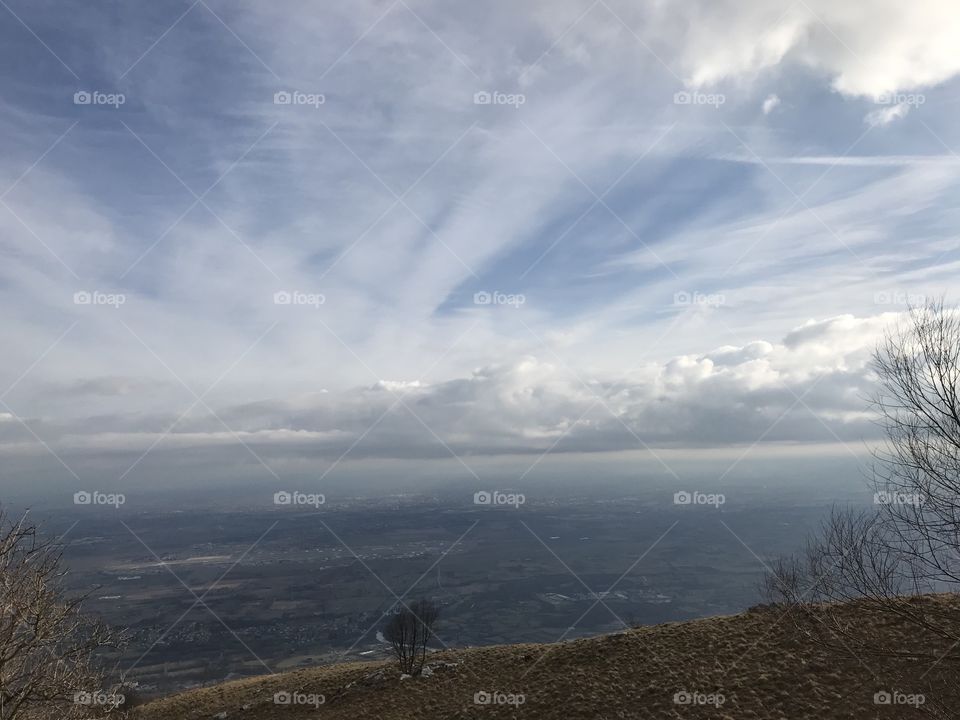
x,y
896,566
48,647
408,631
888,559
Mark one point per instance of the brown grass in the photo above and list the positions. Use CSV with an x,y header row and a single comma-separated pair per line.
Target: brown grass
x,y
763,666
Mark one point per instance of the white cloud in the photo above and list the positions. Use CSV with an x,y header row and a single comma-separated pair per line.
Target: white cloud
x,y
733,394
866,48
770,104
885,116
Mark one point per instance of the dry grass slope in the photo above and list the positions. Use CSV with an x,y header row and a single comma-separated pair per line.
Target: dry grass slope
x,y
761,665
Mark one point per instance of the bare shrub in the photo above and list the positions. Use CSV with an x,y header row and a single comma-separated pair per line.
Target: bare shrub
x,y
408,631
48,647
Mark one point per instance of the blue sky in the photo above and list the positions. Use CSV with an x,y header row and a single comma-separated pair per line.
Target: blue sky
x,y
692,221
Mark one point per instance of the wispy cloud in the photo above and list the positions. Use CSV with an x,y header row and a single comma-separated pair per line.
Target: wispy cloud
x,y
378,167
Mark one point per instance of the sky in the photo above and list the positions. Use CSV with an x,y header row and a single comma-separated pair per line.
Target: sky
x,y
266,241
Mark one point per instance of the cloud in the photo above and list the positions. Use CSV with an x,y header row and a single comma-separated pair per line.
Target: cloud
x,y
598,199
849,161
770,104
885,116
733,394
878,46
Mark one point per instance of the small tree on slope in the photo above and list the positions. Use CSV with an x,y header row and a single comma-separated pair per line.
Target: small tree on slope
x,y
408,631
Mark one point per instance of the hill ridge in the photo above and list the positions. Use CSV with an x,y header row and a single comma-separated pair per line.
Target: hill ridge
x,y
752,665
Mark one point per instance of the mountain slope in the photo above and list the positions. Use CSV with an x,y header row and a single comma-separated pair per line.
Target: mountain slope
x,y
753,665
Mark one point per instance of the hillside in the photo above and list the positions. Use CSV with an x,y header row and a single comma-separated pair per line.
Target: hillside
x,y
757,661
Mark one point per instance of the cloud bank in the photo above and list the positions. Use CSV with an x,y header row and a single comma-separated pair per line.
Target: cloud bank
x,y
809,387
